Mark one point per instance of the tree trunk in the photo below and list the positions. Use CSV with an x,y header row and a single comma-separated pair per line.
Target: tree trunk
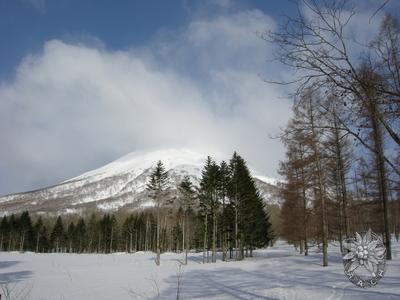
x,y
342,177
158,233
186,239
205,240
321,188
305,221
214,251
130,241
99,243
112,237
236,234
382,180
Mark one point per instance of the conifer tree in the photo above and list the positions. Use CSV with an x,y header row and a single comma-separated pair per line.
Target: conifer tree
x,y
57,235
4,232
224,181
187,197
157,186
38,230
13,223
71,236
129,230
93,234
81,235
25,231
251,221
209,199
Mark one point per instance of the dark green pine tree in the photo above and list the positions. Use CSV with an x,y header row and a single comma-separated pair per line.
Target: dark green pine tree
x,y
235,202
71,237
57,235
253,228
13,233
128,231
105,232
223,188
157,185
45,245
187,197
38,231
209,203
81,235
114,233
93,244
4,233
25,231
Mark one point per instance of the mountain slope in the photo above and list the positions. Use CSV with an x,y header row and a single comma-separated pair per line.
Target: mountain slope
x,y
119,184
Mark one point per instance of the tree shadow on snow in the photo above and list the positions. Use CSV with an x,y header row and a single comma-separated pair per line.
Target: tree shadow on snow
x,y
287,281
7,264
10,277
228,283
14,276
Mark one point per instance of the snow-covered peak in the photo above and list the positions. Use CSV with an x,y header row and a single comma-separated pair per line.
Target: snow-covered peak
x,y
121,184
139,161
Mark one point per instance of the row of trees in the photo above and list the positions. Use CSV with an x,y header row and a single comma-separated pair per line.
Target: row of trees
x,y
228,205
342,162
223,213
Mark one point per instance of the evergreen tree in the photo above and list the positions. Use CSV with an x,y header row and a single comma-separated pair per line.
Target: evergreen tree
x,y
157,185
253,228
25,231
224,182
57,235
93,234
128,230
13,224
113,233
187,197
38,231
81,235
209,201
70,235
4,232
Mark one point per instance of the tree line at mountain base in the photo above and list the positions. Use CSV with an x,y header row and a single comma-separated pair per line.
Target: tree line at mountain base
x,y
224,213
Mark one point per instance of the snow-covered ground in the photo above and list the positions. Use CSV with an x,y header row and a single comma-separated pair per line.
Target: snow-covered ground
x,y
274,273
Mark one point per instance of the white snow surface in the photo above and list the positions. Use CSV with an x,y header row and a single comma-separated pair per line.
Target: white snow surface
x,y
122,182
183,159
137,162
274,273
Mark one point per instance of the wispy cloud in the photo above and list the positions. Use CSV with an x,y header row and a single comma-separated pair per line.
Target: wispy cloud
x,y
72,107
38,5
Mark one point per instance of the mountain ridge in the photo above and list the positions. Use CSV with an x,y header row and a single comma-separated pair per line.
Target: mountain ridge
x,y
120,184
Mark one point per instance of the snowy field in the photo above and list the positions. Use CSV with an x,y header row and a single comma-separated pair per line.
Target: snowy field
x,y
275,273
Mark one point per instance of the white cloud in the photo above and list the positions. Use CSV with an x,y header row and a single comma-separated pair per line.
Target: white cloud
x,y
72,108
39,5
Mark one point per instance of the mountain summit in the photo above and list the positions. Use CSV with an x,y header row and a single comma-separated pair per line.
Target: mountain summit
x,y
120,184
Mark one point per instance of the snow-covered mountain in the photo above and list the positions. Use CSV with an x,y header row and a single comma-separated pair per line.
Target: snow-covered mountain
x,y
120,184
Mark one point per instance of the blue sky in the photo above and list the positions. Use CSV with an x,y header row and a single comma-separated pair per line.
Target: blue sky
x,y
84,82
25,25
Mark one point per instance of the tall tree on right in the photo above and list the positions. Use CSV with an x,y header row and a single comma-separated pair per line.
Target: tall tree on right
x,y
209,202
252,226
371,112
